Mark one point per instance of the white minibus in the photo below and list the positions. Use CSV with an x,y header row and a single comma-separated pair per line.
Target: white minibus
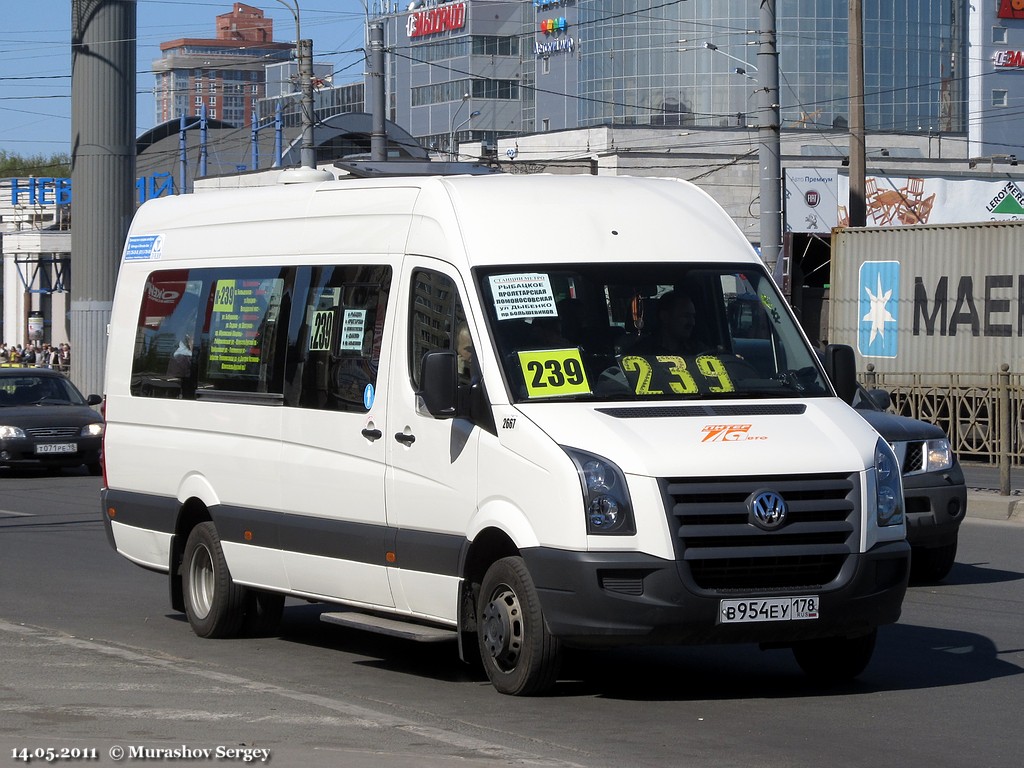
x,y
526,413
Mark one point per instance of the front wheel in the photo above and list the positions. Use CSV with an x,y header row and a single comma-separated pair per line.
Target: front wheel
x,y
519,654
214,604
835,659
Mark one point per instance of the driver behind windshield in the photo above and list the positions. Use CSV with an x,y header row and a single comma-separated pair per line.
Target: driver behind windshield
x,y
675,330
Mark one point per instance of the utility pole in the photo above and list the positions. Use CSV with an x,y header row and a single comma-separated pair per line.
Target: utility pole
x,y
857,204
304,62
375,89
305,47
102,171
769,138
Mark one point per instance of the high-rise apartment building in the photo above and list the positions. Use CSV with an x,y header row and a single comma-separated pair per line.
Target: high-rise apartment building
x,y
226,75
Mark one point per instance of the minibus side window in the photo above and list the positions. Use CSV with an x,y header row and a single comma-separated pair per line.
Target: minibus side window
x,y
241,347
335,336
437,320
164,340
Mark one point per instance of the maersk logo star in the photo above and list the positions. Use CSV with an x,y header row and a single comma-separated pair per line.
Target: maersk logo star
x,y
878,314
878,309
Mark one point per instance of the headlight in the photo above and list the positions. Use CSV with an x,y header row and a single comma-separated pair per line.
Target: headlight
x,y
937,455
889,488
8,433
92,430
606,500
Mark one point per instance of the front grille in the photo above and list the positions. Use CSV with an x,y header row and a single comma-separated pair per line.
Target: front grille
x,y
54,433
913,460
721,549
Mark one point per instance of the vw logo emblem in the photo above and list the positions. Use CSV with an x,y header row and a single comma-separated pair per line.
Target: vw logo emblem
x,y
768,510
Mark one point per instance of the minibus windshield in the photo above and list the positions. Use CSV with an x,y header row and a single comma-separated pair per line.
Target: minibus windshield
x,y
645,332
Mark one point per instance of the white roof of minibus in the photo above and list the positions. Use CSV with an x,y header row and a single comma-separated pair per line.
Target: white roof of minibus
x,y
510,219
500,218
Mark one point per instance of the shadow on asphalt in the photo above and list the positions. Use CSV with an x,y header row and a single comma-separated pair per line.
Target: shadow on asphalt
x,y
55,472
977,573
907,657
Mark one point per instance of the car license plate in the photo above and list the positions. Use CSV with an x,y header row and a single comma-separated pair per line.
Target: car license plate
x,y
768,609
57,448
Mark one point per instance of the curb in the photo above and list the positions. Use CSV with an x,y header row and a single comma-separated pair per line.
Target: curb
x,y
992,506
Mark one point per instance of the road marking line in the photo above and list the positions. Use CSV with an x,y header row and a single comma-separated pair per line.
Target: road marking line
x,y
359,716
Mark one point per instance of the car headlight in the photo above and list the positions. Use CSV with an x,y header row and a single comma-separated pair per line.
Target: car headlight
x,y
9,433
92,430
606,500
889,487
938,455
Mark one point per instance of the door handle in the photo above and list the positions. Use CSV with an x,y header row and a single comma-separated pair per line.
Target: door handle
x,y
372,434
405,439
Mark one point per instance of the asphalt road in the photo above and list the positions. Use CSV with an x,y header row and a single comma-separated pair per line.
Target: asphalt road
x,y
92,658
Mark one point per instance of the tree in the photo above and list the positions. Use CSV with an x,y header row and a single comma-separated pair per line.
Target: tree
x,y
56,166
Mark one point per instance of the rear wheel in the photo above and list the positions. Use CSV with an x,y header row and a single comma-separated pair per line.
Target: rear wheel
x,y
519,654
927,565
835,659
214,604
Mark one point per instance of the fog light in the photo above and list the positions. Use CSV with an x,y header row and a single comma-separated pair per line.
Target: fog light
x,y
4,455
953,508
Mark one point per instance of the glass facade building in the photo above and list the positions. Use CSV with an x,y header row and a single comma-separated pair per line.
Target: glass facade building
x,y
542,65
695,62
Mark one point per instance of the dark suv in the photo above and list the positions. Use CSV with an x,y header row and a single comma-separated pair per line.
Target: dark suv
x,y
933,484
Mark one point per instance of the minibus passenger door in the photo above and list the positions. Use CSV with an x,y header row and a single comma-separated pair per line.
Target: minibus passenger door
x,y
431,476
335,539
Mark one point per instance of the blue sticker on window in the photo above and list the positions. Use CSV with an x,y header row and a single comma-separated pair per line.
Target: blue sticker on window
x,y
144,247
368,394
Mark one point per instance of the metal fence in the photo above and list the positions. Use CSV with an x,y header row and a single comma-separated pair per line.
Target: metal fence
x,y
983,414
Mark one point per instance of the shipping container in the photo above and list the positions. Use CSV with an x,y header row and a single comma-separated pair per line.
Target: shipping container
x,y
930,299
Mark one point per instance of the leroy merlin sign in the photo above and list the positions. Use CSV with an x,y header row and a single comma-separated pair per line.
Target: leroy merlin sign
x,y
817,199
1009,201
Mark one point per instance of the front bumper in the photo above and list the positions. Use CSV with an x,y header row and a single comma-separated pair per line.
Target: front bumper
x,y
22,453
936,504
596,599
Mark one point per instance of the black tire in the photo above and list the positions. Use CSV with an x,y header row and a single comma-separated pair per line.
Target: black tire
x,y
835,659
214,604
262,612
931,565
95,468
520,656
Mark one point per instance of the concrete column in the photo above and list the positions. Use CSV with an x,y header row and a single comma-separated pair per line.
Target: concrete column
x,y
102,171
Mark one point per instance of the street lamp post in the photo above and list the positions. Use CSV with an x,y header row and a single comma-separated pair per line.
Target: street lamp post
x,y
769,138
451,127
304,58
770,135
453,143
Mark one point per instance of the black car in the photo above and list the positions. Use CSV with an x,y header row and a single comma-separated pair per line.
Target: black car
x,y
934,490
46,422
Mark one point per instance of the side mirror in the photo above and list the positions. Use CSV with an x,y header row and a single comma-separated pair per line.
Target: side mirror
x,y
94,399
841,367
880,398
439,382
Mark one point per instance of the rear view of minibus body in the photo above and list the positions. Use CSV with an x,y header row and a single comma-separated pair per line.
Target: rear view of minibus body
x,y
528,413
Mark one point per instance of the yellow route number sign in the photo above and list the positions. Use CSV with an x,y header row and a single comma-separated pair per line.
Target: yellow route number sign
x,y
554,373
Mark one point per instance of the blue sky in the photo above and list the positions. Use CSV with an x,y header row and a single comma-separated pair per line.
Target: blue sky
x,y
35,57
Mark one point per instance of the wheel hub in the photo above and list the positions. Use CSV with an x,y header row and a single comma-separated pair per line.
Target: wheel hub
x,y
503,628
